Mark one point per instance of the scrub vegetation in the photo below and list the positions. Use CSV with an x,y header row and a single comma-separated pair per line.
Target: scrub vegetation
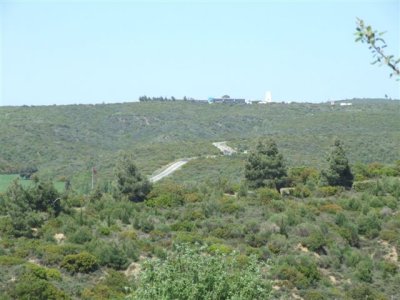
x,y
308,207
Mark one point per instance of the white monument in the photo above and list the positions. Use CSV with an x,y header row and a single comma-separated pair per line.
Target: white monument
x,y
268,97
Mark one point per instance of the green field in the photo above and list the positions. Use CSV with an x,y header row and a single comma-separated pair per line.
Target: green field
x,y
7,179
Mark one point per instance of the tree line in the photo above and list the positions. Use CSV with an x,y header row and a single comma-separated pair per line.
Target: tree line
x,y
160,99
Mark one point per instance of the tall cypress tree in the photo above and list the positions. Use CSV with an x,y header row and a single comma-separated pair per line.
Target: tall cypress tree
x,y
265,166
129,181
339,172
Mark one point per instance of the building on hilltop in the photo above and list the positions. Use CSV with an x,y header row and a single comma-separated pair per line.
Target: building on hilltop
x,y
267,98
227,99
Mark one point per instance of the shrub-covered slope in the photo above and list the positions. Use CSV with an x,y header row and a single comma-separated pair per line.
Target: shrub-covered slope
x,y
69,140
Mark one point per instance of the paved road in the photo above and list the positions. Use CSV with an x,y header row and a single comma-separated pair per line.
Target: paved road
x,y
224,148
170,169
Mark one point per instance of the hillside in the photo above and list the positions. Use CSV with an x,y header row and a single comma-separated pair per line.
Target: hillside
x,y
66,141
204,232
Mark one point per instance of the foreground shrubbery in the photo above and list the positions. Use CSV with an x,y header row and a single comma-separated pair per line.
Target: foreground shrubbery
x,y
190,274
112,247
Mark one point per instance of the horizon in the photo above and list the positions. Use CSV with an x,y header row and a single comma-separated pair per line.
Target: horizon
x,y
203,100
89,52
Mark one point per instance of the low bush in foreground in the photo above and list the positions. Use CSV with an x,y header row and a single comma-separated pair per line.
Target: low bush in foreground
x,y
190,274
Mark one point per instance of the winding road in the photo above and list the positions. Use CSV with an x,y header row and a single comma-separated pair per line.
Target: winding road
x,y
169,169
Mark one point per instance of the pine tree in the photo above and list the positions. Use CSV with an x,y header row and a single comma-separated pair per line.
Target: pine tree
x,y
129,181
265,166
339,172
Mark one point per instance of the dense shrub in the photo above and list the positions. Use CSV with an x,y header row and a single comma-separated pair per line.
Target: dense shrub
x,y
327,191
81,236
364,291
365,185
277,243
265,195
301,191
301,271
34,283
80,263
113,286
389,235
111,255
349,232
166,195
220,249
30,287
364,270
316,240
331,208
189,274
43,273
10,260
369,225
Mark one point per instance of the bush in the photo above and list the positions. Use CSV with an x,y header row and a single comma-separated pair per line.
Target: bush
x,y
364,291
43,273
365,185
349,232
327,191
81,236
364,270
266,195
28,286
111,255
301,192
316,240
166,195
389,235
277,243
10,260
189,274
54,254
388,268
111,287
369,225
331,208
301,271
220,249
82,262
185,237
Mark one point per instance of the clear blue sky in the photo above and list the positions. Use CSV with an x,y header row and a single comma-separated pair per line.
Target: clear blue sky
x,y
61,52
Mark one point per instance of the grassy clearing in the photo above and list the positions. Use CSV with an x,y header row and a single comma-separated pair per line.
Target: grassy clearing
x,y
7,179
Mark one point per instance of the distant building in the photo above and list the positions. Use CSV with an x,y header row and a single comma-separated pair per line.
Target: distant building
x,y
267,98
346,104
227,99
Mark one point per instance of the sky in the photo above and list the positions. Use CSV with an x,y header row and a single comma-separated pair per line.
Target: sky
x,y
70,52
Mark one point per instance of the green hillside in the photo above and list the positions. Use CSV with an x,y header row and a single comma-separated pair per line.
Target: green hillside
x,y
66,141
204,232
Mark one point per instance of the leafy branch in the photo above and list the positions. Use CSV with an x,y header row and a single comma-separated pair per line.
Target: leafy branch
x,y
373,38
